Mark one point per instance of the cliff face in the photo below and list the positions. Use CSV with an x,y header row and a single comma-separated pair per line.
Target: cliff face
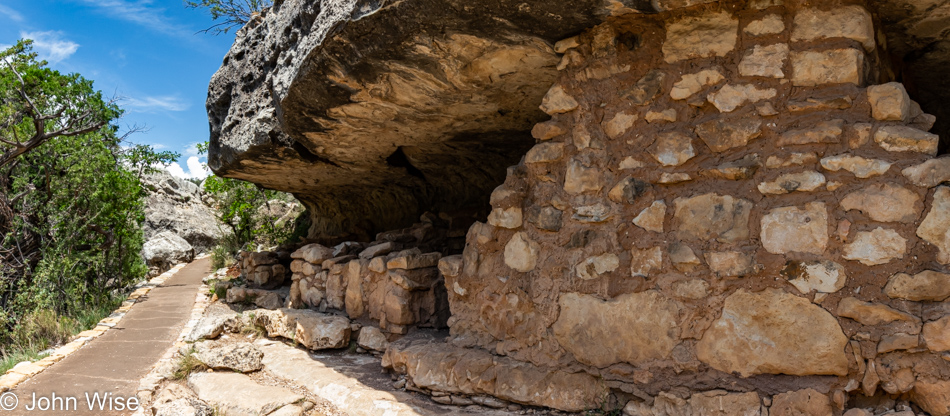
x,y
372,112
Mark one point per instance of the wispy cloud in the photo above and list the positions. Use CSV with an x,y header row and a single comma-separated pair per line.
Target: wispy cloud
x,y
10,13
142,13
152,104
51,46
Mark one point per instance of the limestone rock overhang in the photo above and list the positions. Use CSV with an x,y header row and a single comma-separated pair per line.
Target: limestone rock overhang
x,y
372,112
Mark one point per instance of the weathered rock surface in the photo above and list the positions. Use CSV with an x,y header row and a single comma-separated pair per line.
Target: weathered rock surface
x,y
311,329
625,334
772,332
926,285
794,229
242,357
176,205
237,394
176,400
443,368
165,250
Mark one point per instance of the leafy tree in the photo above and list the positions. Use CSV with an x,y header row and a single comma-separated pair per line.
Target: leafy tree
x,y
71,196
232,13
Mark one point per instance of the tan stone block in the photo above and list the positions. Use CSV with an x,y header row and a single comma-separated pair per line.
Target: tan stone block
x,y
793,229
595,266
737,170
619,124
807,402
580,178
878,246
731,97
897,342
793,159
927,285
793,182
822,132
645,262
906,139
414,261
506,217
837,66
936,334
672,148
712,216
935,228
557,101
545,152
628,190
930,173
889,102
521,253
658,116
802,338
724,134
652,217
670,178
933,396
768,25
868,313
851,22
625,333
885,202
713,34
693,83
547,130
765,61
823,276
861,167
730,263
683,258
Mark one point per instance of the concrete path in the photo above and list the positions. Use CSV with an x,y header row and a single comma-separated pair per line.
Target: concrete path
x,y
113,363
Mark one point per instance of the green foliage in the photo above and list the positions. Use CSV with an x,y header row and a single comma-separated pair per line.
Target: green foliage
x,y
232,13
71,203
247,210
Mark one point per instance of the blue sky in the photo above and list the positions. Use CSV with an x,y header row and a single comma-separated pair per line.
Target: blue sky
x,y
145,52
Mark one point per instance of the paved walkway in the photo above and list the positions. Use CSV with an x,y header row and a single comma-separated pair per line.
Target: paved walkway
x,y
114,363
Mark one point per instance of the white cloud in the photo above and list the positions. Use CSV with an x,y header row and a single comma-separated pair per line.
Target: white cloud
x,y
195,169
11,14
51,46
141,13
151,104
192,150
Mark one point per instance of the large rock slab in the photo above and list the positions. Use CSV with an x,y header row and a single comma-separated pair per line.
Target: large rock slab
x,y
773,332
236,394
632,328
177,205
242,357
311,329
443,368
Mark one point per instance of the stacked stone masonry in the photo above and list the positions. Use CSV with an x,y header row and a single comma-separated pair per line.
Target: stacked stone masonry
x,y
729,205
732,210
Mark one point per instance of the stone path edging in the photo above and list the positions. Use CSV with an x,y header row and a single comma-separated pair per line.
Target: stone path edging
x,y
23,371
162,369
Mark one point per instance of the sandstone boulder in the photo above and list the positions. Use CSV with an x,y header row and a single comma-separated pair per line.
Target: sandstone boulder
x,y
311,329
935,229
624,332
807,402
712,216
794,229
165,250
773,332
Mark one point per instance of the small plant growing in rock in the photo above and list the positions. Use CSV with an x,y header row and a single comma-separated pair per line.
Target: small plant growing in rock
x,y
188,364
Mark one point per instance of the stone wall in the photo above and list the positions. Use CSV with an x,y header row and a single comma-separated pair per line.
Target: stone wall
x,y
726,198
